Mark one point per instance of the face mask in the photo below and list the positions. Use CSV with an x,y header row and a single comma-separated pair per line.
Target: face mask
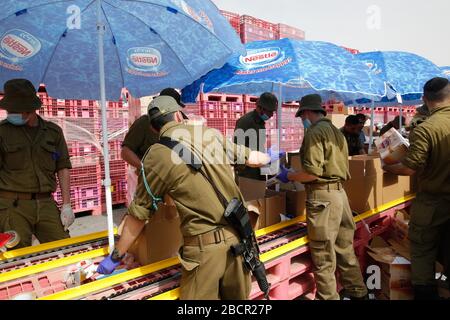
x,y
16,119
265,117
307,124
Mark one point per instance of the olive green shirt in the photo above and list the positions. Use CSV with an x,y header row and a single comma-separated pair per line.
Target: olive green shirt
x,y
354,143
324,153
197,203
29,164
247,126
429,152
139,137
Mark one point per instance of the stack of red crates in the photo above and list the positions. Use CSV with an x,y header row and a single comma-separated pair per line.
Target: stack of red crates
x,y
291,128
253,29
117,117
233,19
286,31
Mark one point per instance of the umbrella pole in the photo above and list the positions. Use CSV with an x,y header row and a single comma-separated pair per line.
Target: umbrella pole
x,y
400,101
372,123
280,114
107,181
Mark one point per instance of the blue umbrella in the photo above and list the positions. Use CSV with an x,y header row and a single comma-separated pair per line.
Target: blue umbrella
x,y
446,71
145,45
299,67
293,69
404,73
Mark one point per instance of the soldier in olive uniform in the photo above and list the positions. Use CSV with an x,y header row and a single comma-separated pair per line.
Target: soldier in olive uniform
x,y
250,131
351,131
32,152
139,138
331,228
429,156
209,270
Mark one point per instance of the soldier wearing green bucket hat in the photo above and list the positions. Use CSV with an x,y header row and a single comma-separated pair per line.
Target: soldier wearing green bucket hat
x,y
324,156
33,152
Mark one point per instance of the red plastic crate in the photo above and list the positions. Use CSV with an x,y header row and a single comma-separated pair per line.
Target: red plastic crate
x,y
217,123
192,109
86,204
86,175
232,110
233,19
210,109
262,24
286,31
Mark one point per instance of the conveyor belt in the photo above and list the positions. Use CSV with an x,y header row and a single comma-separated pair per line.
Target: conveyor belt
x,y
95,287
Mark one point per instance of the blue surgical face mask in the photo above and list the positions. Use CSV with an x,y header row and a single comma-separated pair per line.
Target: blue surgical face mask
x,y
307,124
16,119
264,117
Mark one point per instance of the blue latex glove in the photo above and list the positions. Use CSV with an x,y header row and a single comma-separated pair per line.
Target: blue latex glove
x,y
283,175
107,266
275,156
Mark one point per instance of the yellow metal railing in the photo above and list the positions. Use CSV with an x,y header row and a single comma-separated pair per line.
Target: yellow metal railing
x,y
98,285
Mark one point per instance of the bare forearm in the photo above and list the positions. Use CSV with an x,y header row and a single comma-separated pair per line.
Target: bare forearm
x,y
64,184
399,169
130,157
131,230
301,176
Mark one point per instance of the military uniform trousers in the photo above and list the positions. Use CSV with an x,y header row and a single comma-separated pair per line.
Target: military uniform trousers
x,y
27,217
211,272
430,216
330,232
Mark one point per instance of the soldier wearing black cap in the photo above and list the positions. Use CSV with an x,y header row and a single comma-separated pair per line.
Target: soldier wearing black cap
x,y
139,137
32,152
251,131
429,156
324,157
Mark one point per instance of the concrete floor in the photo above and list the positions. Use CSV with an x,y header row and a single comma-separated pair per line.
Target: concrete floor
x,y
92,224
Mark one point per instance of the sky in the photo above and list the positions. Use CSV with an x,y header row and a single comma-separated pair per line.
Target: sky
x,y
417,26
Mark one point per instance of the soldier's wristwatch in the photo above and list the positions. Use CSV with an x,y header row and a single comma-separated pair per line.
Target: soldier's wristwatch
x,y
115,256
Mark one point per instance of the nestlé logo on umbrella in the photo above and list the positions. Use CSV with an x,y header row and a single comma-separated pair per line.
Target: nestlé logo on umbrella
x,y
144,59
17,45
262,57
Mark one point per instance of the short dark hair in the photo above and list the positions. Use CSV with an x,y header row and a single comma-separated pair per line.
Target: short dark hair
x,y
267,101
160,122
437,89
352,120
361,117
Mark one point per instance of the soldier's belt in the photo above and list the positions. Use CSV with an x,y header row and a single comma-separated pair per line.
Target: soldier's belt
x,y
215,236
24,195
324,186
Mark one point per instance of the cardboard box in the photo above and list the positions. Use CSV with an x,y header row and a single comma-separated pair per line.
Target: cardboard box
x,y
395,270
161,238
396,187
340,108
266,212
392,147
338,120
365,188
296,201
294,161
252,189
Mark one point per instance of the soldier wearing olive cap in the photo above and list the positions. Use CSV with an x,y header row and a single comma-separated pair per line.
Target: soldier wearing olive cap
x,y
250,131
32,152
209,270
